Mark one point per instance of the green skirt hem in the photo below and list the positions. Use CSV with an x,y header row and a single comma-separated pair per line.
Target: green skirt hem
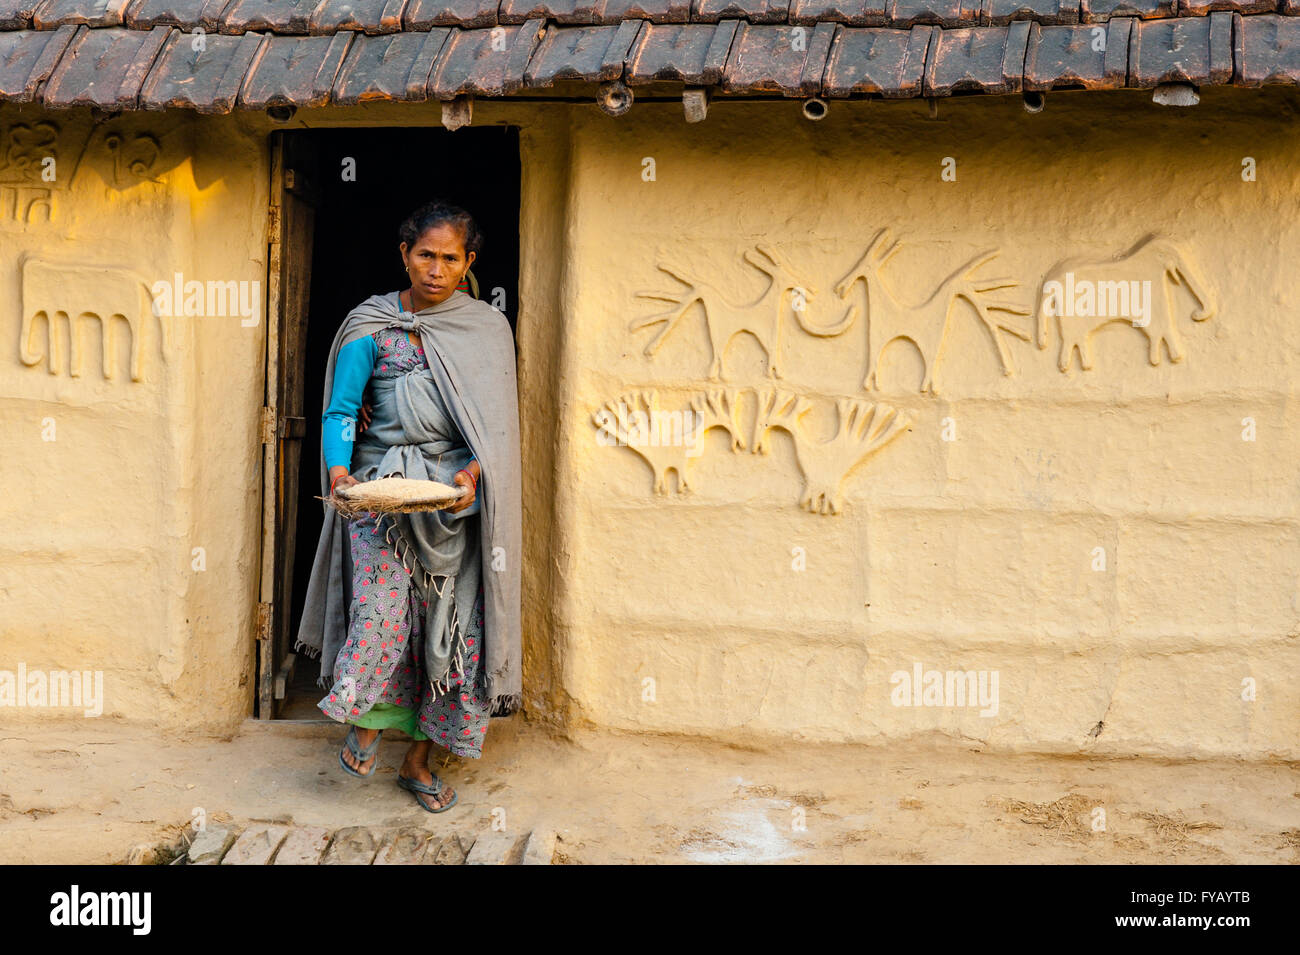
x,y
386,716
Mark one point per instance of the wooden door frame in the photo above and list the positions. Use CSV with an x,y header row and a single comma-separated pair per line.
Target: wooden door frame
x,y
290,226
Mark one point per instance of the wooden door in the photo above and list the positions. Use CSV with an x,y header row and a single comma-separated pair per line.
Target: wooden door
x,y
294,192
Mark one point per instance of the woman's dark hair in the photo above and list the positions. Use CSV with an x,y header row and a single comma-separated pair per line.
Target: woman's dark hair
x,y
436,213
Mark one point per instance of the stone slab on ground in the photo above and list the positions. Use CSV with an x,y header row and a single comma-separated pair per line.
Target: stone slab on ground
x,y
407,846
303,846
355,845
540,849
210,845
497,848
256,846
451,850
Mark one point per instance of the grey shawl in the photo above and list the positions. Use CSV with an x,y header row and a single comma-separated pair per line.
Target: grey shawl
x,y
421,424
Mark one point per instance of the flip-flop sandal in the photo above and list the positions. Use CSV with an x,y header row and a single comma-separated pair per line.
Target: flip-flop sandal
x,y
362,755
417,787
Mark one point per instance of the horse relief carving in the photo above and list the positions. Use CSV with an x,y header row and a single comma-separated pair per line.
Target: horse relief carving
x,y
1086,294
863,428
77,294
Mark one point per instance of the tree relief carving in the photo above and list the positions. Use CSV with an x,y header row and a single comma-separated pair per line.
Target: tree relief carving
x,y
669,440
862,428
73,296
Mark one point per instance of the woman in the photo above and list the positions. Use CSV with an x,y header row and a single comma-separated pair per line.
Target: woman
x,y
415,617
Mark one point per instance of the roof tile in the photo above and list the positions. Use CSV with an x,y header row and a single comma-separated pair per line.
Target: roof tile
x,y
987,60
946,13
294,71
1199,8
17,14
656,11
691,53
767,59
185,14
561,11
93,13
594,54
755,11
466,14
887,62
27,58
1000,12
1170,51
393,67
1068,56
104,68
275,16
484,62
364,16
1099,11
202,73
1267,50
858,13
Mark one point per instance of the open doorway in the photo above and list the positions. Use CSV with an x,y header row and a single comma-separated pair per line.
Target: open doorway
x,y
359,184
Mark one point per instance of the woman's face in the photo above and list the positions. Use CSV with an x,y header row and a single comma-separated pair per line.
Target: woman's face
x,y
436,264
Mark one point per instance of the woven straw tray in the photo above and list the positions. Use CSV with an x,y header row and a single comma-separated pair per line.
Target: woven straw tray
x,y
396,495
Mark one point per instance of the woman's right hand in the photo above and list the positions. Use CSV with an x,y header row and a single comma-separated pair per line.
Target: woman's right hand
x,y
340,478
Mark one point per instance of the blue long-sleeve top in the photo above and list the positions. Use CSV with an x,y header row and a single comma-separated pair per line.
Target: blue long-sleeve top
x,y
352,370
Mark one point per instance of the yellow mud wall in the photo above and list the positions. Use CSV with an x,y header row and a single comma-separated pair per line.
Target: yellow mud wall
x,y
133,461
1118,546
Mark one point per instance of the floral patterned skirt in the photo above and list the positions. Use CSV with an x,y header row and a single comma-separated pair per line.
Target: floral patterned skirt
x,y
379,678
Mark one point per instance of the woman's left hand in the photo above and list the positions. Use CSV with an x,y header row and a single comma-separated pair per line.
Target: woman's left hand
x,y
463,479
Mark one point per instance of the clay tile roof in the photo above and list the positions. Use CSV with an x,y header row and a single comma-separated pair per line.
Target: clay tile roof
x,y
218,55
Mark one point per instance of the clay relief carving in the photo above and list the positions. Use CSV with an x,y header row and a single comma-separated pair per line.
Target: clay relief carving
x,y
24,198
39,159
1086,294
726,319
863,428
134,156
26,205
668,441
1083,295
74,295
925,324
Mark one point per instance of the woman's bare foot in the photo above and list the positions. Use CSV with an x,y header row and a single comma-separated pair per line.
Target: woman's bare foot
x,y
364,738
416,766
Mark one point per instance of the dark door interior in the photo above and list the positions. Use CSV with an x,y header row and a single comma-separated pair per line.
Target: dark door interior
x,y
369,180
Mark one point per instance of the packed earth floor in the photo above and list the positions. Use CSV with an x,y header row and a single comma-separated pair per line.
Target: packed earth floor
x,y
91,792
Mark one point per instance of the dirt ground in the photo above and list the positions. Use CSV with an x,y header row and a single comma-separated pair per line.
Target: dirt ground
x,y
88,792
